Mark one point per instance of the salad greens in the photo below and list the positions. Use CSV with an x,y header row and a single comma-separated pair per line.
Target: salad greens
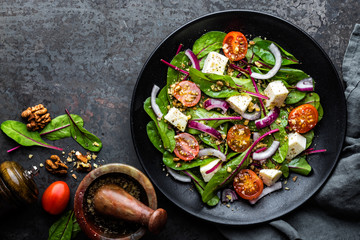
x,y
235,82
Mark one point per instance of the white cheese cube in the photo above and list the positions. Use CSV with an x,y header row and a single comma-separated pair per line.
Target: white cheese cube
x,y
239,103
215,63
297,144
176,118
277,93
270,176
207,167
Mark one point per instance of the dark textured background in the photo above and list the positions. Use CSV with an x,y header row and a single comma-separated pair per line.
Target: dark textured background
x,y
86,56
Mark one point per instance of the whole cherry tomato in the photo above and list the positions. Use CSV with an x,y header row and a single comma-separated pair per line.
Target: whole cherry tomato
x,y
247,184
235,46
56,197
238,138
187,93
187,147
303,118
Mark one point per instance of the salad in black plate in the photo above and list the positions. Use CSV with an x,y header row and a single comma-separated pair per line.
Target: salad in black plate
x,y
235,114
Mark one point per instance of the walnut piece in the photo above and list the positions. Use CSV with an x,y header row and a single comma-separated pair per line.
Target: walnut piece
x,y
37,116
55,165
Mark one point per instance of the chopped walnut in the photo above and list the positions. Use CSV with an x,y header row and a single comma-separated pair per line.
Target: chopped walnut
x,y
55,165
81,157
82,164
37,116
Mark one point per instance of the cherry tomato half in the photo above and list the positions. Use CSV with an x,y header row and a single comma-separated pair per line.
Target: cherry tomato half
x,y
187,93
238,138
247,184
235,46
303,118
56,197
187,147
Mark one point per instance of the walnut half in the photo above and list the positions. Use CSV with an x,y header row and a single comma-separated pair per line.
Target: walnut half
x,y
55,165
37,116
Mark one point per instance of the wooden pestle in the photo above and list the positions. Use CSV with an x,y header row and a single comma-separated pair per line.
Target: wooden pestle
x,y
112,200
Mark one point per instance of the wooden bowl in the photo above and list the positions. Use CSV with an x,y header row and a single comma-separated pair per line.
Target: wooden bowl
x,y
90,228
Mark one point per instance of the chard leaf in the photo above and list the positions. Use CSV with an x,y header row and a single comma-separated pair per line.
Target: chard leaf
x,y
154,136
63,228
181,61
300,165
60,126
200,185
85,138
19,133
220,176
168,160
209,42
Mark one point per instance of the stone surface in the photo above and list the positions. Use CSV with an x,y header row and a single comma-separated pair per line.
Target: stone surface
x,y
85,56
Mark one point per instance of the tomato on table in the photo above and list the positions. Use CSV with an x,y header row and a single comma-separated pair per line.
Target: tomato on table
x,y
56,197
238,138
248,185
303,118
235,46
187,93
187,147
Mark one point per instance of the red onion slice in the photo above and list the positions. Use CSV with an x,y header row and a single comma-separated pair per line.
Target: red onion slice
x,y
213,168
228,195
252,116
268,152
276,52
212,103
269,119
256,135
193,59
212,152
177,176
266,191
154,105
305,85
206,129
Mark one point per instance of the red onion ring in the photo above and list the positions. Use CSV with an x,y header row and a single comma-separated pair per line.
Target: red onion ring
x,y
305,85
212,103
193,59
269,119
228,192
206,129
266,191
252,116
177,176
278,60
268,152
154,105
212,152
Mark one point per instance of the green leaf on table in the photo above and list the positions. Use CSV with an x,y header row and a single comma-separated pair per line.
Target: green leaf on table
x,y
19,133
63,228
209,42
60,126
85,138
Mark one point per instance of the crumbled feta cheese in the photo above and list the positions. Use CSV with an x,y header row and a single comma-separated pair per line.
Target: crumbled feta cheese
x,y
176,118
270,176
297,144
207,167
215,63
277,93
239,103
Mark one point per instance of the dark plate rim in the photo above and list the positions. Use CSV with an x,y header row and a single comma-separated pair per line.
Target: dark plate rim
x,y
297,204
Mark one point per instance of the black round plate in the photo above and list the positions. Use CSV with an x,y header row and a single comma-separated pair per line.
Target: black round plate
x,y
329,133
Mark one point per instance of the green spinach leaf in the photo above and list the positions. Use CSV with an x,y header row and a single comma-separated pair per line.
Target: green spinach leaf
x,y
320,112
60,126
209,42
311,98
295,96
261,49
309,137
181,61
154,136
19,133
